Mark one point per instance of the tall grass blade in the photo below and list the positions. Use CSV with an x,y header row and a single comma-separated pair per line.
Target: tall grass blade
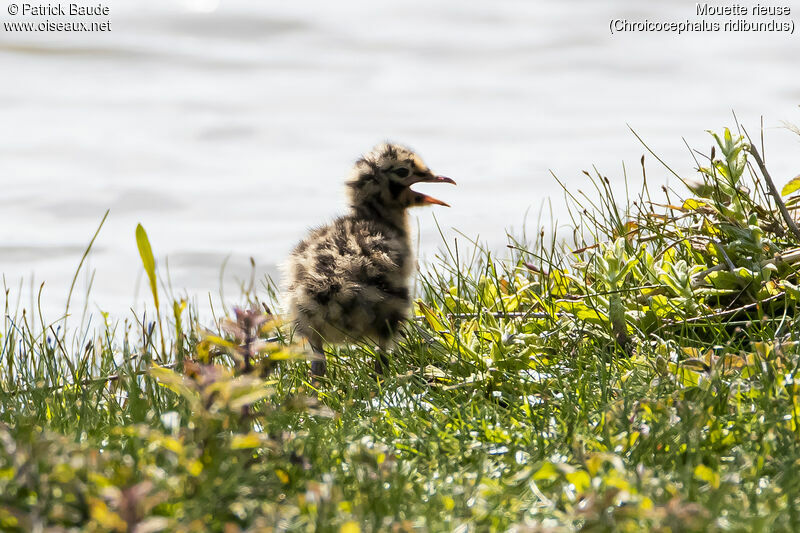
x,y
80,265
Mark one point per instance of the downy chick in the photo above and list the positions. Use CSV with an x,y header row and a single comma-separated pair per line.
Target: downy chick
x,y
349,280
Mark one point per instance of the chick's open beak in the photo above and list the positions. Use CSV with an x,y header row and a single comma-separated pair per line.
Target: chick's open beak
x,y
424,199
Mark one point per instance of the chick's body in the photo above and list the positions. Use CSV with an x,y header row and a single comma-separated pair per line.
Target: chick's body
x,y
349,280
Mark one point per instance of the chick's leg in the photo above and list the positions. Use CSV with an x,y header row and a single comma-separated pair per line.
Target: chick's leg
x,y
382,361
318,365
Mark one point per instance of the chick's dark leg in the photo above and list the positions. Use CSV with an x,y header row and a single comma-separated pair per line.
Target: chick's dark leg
x,y
318,365
386,342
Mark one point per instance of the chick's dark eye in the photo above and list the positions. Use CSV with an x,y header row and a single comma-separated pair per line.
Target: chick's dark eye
x,y
402,172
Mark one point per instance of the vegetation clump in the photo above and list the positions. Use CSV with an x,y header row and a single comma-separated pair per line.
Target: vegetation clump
x,y
641,377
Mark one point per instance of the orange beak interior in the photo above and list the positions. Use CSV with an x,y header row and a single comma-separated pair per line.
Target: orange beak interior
x,y
424,199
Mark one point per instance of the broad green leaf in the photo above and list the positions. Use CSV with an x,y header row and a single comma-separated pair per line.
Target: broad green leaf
x,y
170,443
434,374
592,316
704,473
431,317
584,312
178,384
194,467
626,268
548,472
792,290
560,282
791,187
350,527
222,343
722,279
242,442
580,479
106,519
594,462
696,365
693,204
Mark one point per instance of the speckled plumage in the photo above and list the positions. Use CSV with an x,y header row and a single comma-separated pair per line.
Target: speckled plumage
x,y
349,280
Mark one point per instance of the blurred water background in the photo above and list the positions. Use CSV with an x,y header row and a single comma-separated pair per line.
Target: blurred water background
x,y
226,126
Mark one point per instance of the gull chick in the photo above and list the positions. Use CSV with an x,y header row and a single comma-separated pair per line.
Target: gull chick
x,y
349,280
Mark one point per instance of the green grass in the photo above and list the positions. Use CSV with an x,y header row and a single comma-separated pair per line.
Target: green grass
x,y
640,377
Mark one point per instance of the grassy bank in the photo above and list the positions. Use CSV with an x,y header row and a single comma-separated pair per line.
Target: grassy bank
x,y
642,376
